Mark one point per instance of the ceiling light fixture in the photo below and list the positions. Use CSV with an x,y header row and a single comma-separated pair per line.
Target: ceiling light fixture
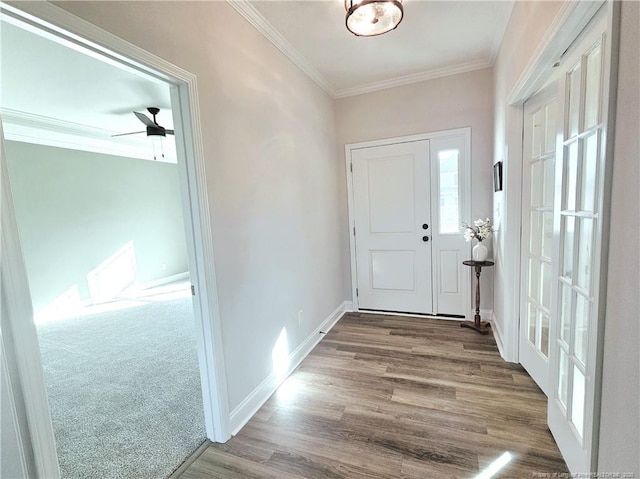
x,y
368,18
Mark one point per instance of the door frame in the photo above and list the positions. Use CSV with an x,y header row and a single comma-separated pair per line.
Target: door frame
x,y
465,210
565,28
60,25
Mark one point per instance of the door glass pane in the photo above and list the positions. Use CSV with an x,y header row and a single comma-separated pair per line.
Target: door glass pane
x,y
449,199
592,88
563,378
544,335
581,338
567,250
545,285
547,234
565,313
534,282
585,246
538,141
549,182
536,184
574,100
571,172
531,324
577,400
534,233
551,128
589,173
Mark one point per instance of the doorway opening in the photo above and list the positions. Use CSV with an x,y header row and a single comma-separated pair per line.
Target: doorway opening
x,y
146,276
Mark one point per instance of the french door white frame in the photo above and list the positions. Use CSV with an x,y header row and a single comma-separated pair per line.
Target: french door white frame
x,y
64,27
465,188
568,24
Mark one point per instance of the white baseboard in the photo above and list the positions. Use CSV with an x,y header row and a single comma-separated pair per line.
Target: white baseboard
x,y
497,334
166,280
254,401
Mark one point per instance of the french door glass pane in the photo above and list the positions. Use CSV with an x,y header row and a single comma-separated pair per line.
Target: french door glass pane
x,y
544,334
449,198
565,313
577,400
589,172
531,323
585,246
536,184
538,140
547,234
534,233
574,100
592,88
549,182
545,285
550,134
534,279
567,254
581,338
563,378
571,177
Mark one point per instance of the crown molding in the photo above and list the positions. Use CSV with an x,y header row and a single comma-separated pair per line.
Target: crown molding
x,y
415,78
261,24
40,122
41,130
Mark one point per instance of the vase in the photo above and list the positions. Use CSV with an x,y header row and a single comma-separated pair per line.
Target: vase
x,y
480,252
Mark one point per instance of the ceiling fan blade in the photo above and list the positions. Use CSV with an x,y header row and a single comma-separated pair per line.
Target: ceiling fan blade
x,y
169,132
144,119
132,133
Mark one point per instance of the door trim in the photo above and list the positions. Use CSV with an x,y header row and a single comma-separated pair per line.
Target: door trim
x,y
61,25
465,186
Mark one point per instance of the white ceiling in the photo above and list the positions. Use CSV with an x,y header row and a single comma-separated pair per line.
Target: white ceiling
x,y
434,39
54,94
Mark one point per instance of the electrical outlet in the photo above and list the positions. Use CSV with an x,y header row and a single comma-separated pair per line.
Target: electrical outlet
x,y
300,318
163,267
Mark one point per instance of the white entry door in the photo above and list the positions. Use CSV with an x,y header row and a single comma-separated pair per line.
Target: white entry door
x,y
538,187
407,199
392,212
580,215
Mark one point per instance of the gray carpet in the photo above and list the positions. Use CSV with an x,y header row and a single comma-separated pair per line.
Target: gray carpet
x,y
124,390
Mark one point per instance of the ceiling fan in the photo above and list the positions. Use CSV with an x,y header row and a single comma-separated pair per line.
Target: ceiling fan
x,y
153,129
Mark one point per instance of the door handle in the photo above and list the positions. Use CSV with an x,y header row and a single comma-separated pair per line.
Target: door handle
x,y
425,238
425,226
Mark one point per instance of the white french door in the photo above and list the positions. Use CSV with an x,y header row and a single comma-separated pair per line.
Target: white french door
x,y
579,282
409,197
392,226
538,187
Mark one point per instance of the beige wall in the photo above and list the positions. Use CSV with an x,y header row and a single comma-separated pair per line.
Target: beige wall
x,y
272,177
75,209
620,417
464,100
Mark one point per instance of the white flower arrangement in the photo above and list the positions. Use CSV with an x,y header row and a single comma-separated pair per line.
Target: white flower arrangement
x,y
481,230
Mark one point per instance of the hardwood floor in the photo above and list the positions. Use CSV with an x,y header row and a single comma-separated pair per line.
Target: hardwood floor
x,y
394,397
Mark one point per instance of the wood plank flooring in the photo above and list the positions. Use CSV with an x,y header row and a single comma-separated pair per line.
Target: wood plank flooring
x,y
393,397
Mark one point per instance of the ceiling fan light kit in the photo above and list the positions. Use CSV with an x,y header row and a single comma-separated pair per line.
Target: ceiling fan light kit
x,y
368,18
